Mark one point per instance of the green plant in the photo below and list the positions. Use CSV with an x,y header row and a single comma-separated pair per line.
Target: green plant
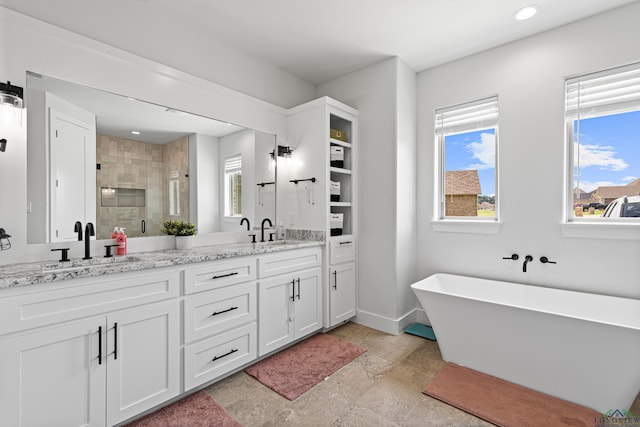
x,y
179,228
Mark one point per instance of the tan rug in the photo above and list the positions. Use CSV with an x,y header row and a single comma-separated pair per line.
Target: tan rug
x,y
297,369
196,410
503,403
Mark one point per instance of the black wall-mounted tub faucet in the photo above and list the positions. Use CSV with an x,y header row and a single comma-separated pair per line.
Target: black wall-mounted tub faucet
x,y
527,259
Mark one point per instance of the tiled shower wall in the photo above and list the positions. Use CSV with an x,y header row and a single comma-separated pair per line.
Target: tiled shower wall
x,y
131,164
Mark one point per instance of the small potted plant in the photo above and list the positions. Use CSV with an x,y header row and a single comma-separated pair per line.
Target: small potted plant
x,y
183,230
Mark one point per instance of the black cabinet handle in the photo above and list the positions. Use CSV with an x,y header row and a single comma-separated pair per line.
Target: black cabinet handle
x,y
335,279
224,355
99,345
298,289
215,313
346,243
115,341
225,275
293,290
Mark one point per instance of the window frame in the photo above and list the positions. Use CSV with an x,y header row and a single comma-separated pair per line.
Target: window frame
x,y
231,170
442,222
572,113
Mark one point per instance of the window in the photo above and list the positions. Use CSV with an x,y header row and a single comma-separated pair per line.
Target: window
x,y
602,113
466,136
233,186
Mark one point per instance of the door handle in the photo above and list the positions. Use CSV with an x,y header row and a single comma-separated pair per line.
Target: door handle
x,y
99,345
115,341
335,279
293,290
143,226
298,289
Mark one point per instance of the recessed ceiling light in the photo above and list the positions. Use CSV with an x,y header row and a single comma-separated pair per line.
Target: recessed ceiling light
x,y
526,12
135,132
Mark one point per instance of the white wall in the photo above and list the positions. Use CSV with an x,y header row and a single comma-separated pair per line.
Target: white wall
x,y
528,77
49,50
204,182
382,95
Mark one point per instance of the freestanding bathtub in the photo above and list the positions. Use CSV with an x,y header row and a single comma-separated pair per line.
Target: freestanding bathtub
x,y
584,348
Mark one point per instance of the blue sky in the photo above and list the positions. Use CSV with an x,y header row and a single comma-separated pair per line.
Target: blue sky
x,y
473,150
609,150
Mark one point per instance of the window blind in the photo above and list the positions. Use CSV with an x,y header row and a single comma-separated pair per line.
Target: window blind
x,y
233,164
467,117
607,92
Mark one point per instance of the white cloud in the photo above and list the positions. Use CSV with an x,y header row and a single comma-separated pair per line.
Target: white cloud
x,y
629,178
602,156
484,151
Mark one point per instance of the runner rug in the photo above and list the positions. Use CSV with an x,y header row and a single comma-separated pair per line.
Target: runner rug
x,y
297,369
196,410
503,403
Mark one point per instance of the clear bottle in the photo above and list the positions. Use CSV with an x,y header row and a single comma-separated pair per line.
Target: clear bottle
x,y
280,231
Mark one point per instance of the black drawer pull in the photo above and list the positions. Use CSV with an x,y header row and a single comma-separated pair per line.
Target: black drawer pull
x,y
224,355
215,313
335,279
225,275
115,341
346,243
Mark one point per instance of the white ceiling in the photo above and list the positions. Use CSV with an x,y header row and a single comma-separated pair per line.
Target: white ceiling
x,y
316,40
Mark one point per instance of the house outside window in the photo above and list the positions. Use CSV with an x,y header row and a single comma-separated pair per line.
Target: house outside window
x,y
233,186
602,114
466,137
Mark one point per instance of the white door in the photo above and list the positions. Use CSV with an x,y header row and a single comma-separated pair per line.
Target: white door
x,y
275,315
53,377
342,292
308,302
73,176
143,359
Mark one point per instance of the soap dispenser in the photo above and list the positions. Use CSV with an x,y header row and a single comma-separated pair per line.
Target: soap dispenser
x,y
121,241
280,231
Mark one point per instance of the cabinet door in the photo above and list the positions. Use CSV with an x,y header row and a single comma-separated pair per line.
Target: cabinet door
x,y
275,313
308,302
52,376
342,291
143,360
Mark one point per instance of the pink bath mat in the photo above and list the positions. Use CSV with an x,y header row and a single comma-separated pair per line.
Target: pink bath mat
x,y
297,369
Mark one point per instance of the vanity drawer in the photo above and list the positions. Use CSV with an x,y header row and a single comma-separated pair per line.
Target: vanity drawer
x,y
288,261
212,312
85,297
209,359
342,250
217,274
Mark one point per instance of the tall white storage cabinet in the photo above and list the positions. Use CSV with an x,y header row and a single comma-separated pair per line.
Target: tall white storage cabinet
x,y
320,194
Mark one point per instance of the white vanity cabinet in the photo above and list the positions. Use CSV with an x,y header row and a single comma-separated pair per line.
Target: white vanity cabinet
x,y
89,352
290,294
220,313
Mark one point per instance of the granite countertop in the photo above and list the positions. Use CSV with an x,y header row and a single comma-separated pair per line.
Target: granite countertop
x,y
14,275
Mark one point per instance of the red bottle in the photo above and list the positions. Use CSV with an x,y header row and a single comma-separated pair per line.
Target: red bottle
x,y
121,241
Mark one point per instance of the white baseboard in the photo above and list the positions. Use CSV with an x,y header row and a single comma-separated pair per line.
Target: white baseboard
x,y
388,325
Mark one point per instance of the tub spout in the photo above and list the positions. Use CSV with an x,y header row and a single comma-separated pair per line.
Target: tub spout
x,y
527,259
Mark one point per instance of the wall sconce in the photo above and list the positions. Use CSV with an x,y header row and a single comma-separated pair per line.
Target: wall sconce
x,y
10,107
283,151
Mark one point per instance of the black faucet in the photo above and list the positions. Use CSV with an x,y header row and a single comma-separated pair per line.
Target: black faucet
x,y
262,228
78,229
88,232
243,220
527,259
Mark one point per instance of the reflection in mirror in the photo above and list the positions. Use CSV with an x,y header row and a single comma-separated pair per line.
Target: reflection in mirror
x,y
94,156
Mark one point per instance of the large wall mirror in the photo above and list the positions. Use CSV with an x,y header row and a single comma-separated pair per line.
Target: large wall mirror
x,y
95,156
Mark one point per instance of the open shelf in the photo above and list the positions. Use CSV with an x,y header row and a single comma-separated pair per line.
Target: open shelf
x,y
333,141
340,170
